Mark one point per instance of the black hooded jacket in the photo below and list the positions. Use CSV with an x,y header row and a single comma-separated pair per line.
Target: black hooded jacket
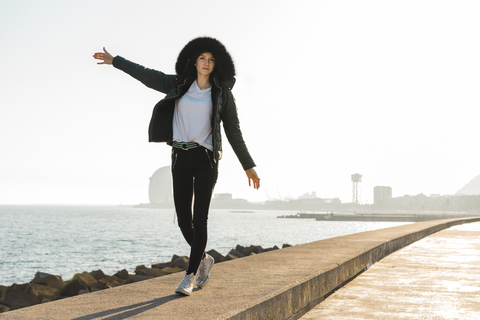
x,y
175,86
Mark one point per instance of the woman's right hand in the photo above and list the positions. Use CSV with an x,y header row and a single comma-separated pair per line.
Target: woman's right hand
x,y
105,56
253,176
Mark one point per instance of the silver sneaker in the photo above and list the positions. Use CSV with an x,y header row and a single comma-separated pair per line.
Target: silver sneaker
x,y
186,286
204,270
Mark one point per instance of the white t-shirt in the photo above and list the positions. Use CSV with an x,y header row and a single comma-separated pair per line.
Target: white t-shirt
x,y
192,118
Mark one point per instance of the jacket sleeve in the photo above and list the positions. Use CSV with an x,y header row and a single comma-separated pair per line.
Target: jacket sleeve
x,y
231,124
154,79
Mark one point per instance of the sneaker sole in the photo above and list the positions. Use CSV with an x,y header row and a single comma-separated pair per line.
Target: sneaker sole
x,y
204,283
181,292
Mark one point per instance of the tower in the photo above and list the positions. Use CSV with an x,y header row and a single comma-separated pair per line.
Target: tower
x,y
356,178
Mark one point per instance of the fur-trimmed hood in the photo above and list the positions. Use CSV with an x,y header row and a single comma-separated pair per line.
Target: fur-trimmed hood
x,y
224,66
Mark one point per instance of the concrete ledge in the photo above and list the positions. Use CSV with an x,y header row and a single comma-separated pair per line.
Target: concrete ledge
x,y
295,300
282,284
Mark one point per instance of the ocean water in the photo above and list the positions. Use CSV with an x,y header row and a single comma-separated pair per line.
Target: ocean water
x,y
65,240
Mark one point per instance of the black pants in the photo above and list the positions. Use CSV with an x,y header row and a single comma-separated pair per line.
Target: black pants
x,y
194,175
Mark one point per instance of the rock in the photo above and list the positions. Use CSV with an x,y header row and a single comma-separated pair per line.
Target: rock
x,y
140,267
239,248
73,288
3,291
169,270
175,257
236,253
136,278
270,249
4,308
48,280
217,256
88,279
42,292
17,288
162,265
254,249
97,274
259,248
40,275
153,272
17,297
181,262
229,257
112,281
286,245
14,304
123,274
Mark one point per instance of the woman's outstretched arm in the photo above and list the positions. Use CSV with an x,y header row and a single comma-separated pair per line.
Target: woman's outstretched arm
x,y
105,56
154,79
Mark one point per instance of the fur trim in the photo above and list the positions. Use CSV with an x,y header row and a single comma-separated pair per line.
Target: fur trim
x,y
224,65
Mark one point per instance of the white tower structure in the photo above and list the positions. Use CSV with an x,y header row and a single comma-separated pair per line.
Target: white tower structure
x,y
356,179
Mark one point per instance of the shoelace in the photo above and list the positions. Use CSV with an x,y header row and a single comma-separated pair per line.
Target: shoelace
x,y
187,280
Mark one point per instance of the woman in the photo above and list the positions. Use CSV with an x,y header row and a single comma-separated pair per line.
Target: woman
x,y
198,98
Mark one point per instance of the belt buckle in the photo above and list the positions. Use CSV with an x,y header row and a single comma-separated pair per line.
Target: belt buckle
x,y
184,146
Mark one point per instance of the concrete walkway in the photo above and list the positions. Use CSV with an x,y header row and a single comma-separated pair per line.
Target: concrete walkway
x,y
281,284
437,277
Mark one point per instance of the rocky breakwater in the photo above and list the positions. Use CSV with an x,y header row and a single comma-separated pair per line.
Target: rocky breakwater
x,y
47,287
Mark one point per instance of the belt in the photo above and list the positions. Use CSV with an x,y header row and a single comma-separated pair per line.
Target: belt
x,y
185,145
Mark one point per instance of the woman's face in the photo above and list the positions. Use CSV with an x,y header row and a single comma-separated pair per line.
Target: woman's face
x,y
205,63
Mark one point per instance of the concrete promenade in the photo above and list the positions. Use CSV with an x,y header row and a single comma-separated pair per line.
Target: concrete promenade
x,y
281,284
437,277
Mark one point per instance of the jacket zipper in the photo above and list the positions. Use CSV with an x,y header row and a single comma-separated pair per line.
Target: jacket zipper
x,y
178,87
209,160
215,119
175,161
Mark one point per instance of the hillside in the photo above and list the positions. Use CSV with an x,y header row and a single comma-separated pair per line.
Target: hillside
x,y
471,188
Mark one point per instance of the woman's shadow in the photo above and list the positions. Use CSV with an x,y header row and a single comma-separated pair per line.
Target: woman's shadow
x,y
130,311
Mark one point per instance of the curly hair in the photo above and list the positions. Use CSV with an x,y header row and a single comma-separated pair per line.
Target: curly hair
x,y
224,66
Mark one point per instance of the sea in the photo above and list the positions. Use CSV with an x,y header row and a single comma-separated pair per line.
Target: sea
x,y
64,240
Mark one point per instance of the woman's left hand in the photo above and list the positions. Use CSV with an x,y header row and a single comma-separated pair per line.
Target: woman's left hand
x,y
252,176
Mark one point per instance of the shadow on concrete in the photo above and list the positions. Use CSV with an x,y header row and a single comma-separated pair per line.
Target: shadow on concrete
x,y
130,311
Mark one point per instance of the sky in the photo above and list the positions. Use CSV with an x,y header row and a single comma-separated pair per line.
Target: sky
x,y
325,89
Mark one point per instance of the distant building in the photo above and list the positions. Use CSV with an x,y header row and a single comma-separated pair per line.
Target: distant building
x,y
223,196
381,194
160,187
311,195
226,201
